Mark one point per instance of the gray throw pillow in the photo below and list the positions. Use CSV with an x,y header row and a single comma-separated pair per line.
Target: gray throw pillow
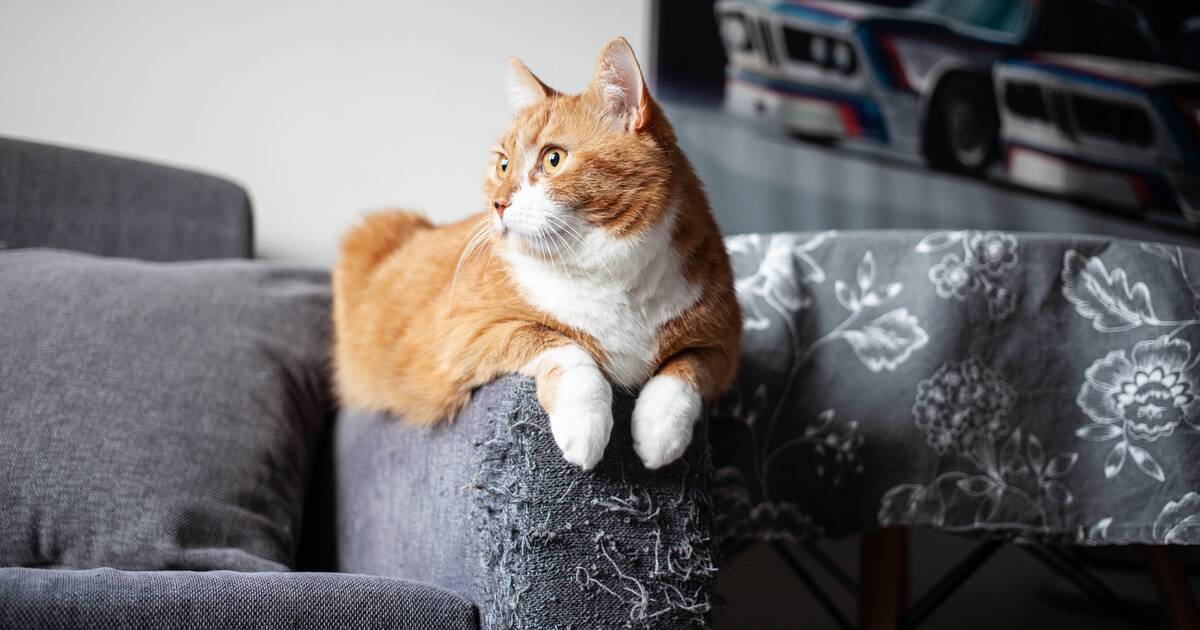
x,y
157,416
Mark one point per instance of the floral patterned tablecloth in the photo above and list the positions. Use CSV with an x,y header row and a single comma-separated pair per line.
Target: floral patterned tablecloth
x,y
1038,386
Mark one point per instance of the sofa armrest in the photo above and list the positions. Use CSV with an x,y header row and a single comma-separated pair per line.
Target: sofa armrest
x,y
69,199
487,506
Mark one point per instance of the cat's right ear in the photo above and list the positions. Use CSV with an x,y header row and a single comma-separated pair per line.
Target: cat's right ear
x,y
523,88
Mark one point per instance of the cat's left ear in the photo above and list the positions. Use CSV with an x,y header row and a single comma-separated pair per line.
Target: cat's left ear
x,y
618,89
524,89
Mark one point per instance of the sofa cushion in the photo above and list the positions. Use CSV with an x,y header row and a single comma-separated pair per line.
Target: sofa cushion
x,y
103,598
157,416
52,196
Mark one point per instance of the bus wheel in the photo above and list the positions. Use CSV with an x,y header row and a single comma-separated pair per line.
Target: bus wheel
x,y
961,128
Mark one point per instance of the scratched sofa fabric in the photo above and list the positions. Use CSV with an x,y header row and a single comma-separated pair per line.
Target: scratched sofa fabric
x,y
1039,387
486,506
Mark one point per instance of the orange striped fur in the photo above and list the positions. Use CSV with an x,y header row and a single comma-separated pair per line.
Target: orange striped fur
x,y
604,260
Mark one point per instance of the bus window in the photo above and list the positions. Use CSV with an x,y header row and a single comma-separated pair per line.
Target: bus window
x,y
1025,100
1089,27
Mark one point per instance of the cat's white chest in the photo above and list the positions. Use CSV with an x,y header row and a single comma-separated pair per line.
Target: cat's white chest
x,y
622,306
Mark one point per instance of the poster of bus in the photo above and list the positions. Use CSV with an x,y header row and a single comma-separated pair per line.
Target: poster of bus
x,y
1072,115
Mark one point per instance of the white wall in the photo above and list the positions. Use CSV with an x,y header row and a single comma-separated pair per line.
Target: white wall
x,y
321,109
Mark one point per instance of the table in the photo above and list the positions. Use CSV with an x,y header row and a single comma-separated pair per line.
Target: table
x,y
1027,387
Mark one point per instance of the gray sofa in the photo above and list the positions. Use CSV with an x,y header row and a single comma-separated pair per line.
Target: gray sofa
x,y
171,456
174,460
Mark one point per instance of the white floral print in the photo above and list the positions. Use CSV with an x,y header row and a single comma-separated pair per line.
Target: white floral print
x,y
776,283
1107,298
1095,534
737,515
1179,521
985,259
979,418
889,339
961,405
953,278
786,276
834,446
993,253
964,409
780,285
1103,297
1143,396
1147,393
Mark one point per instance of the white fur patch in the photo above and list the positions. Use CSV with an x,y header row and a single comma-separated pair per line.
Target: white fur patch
x,y
663,418
526,216
619,291
582,419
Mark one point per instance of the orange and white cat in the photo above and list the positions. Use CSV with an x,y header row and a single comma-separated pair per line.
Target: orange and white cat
x,y
598,263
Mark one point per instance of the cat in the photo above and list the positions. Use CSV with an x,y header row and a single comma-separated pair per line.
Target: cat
x,y
597,263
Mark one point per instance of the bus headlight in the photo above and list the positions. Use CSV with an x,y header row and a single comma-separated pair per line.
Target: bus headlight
x,y
843,57
733,31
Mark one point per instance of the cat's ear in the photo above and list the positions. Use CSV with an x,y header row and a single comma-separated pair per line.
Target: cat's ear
x,y
524,89
618,89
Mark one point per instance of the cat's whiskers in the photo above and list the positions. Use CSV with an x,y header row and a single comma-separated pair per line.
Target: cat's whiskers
x,y
554,240
579,265
491,254
582,241
489,242
545,244
557,235
572,287
479,235
567,226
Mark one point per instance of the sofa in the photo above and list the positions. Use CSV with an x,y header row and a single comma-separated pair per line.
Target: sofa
x,y
174,458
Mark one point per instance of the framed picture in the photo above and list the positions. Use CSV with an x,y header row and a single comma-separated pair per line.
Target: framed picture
x,y
1066,116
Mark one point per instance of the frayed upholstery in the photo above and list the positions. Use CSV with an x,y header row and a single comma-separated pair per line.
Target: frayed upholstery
x,y
617,546
486,506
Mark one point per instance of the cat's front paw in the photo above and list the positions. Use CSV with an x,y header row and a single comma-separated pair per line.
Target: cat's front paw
x,y
581,423
663,418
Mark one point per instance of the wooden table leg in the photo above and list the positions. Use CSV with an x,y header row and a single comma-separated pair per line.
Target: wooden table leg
x,y
883,578
1174,592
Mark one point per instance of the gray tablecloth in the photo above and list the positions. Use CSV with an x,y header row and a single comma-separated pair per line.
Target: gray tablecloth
x,y
1035,386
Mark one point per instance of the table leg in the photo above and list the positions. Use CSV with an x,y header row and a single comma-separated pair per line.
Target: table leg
x,y
1178,600
883,583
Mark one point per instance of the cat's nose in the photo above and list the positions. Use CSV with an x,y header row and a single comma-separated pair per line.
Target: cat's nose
x,y
500,205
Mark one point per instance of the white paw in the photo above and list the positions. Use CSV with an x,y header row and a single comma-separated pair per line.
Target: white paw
x,y
582,419
663,418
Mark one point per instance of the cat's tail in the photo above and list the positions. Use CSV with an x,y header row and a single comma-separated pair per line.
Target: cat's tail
x,y
369,243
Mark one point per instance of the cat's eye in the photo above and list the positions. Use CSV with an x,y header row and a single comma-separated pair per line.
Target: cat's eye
x,y
502,167
553,159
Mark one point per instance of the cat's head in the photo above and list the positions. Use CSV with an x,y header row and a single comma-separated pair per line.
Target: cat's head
x,y
574,172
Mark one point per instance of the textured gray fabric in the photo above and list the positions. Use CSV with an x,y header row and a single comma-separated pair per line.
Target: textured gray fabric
x,y
403,495
488,507
1035,386
69,199
157,416
45,599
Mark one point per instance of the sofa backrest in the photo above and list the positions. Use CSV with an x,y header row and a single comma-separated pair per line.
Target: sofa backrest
x,y
70,199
